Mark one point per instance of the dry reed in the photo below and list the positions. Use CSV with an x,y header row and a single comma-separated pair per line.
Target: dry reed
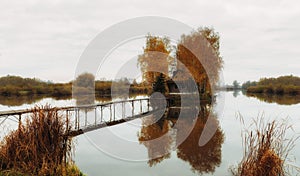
x,y
266,149
40,146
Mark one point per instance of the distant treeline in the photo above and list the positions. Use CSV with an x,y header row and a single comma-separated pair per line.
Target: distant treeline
x,y
281,85
18,86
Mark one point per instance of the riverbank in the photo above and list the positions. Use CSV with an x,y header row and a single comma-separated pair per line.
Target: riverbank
x,y
278,90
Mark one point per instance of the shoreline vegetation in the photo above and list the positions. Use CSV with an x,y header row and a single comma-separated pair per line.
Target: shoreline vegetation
x,y
267,145
283,85
40,146
18,86
283,90
32,89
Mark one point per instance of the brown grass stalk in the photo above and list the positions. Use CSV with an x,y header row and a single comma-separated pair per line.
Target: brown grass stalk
x,y
40,146
266,149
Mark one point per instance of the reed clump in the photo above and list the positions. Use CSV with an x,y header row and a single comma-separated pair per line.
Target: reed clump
x,y
265,150
40,146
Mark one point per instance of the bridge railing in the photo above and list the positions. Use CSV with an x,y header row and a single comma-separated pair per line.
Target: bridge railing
x,y
86,116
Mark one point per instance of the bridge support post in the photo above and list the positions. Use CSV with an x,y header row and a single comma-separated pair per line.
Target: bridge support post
x,y
110,113
20,120
75,118
85,123
114,111
101,118
123,110
96,115
78,118
141,106
148,104
132,106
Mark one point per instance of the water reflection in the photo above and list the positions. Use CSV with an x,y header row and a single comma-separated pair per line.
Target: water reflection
x,y
202,159
86,99
103,98
236,93
279,99
80,100
21,100
161,148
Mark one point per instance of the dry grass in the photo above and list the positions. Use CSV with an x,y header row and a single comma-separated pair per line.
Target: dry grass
x,y
40,146
266,149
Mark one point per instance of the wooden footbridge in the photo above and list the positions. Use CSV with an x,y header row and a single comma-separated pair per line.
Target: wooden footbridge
x,y
91,117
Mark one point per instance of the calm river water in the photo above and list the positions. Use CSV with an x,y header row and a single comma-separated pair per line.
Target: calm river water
x,y
123,149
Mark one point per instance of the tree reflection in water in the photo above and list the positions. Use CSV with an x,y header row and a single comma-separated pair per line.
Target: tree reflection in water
x,y
203,159
30,99
279,99
158,129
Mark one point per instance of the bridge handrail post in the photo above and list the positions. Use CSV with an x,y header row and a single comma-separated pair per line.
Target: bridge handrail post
x,y
114,111
95,115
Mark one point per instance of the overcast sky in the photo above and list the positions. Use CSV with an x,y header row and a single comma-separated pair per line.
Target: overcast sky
x,y
45,39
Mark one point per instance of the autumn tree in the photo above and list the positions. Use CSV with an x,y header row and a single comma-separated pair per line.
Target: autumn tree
x,y
155,59
199,53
